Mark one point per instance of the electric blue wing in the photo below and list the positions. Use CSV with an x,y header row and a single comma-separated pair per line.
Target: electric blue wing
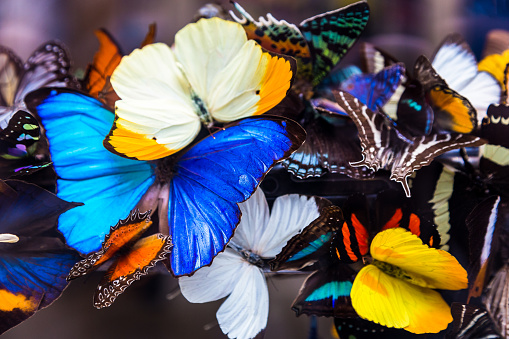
x,y
216,174
375,89
110,186
34,262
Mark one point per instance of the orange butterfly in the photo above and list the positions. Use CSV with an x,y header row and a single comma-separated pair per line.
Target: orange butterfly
x,y
106,59
130,265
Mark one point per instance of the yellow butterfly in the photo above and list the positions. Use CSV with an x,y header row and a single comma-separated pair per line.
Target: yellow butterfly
x,y
495,64
395,290
212,73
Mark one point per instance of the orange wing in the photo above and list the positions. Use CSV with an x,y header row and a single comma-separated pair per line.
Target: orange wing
x,y
106,59
124,232
130,267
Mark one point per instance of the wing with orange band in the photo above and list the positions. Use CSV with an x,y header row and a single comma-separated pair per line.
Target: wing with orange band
x,y
125,232
130,267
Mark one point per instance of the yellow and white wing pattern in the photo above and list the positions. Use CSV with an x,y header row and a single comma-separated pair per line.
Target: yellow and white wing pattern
x,y
213,73
155,117
392,302
423,266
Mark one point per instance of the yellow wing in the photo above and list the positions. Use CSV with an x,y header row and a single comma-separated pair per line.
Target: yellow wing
x,y
422,265
495,65
393,302
234,77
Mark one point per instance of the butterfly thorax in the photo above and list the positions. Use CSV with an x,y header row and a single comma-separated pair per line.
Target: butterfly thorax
x,y
393,271
165,168
250,257
201,110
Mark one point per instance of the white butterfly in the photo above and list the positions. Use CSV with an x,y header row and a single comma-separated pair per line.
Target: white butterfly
x,y
212,73
456,64
236,272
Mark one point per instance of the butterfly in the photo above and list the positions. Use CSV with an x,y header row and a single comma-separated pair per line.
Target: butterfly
x,y
197,190
455,62
34,260
97,76
318,43
488,231
212,73
139,256
395,290
357,328
471,322
383,146
238,271
339,237
424,101
49,65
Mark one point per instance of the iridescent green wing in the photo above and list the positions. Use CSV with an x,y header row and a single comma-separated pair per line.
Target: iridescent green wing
x,y
330,35
278,36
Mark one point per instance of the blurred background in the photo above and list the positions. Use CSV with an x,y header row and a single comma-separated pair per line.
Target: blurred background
x,y
153,308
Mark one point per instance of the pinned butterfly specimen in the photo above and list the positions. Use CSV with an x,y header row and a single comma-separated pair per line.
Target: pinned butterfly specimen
x,y
238,272
471,322
395,290
138,257
318,43
97,77
455,62
197,190
34,260
357,328
213,74
384,146
497,299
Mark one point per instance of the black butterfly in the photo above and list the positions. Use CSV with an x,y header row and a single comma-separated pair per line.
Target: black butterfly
x,y
384,146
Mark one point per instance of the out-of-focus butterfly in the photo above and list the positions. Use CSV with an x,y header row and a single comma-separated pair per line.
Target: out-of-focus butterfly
x,y
395,290
34,260
139,255
213,73
197,190
97,77
455,62
48,65
318,43
471,322
488,226
384,146
238,272
497,296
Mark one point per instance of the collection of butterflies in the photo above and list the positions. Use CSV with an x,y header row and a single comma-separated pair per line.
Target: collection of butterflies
x,y
159,156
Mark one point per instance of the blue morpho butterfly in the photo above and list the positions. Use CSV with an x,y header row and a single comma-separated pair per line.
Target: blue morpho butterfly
x,y
197,191
332,140
34,261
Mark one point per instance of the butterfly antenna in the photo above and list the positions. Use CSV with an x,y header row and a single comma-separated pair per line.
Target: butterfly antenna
x,y
211,325
173,294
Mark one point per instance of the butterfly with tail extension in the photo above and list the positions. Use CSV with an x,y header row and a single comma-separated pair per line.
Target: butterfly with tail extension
x,y
384,146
